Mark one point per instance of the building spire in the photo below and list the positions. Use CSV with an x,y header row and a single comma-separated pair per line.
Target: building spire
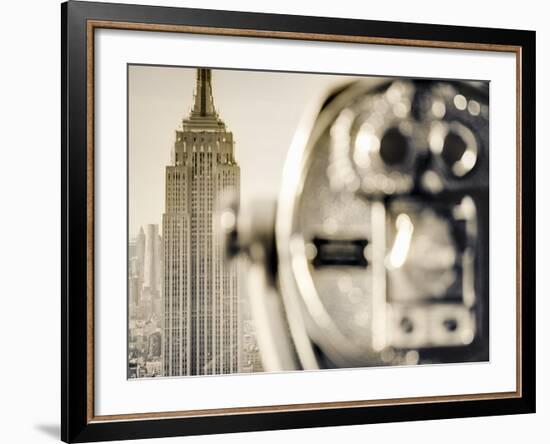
x,y
203,115
204,101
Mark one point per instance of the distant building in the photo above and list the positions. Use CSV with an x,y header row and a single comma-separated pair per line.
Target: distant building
x,y
153,368
154,346
132,368
200,294
251,361
134,294
140,254
152,272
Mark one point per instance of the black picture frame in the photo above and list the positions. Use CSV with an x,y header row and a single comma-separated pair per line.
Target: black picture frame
x,y
78,423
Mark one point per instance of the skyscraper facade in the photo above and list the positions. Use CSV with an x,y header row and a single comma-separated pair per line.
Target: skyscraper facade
x,y
200,291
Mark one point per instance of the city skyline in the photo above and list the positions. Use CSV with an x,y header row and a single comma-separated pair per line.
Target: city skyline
x,y
145,269
177,170
184,301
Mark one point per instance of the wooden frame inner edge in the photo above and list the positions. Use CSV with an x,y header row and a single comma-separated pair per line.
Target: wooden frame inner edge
x,y
96,24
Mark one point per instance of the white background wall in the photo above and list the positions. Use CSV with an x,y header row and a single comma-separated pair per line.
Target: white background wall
x,y
30,221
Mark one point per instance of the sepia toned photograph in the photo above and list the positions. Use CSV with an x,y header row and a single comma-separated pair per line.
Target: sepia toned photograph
x,y
279,222
282,221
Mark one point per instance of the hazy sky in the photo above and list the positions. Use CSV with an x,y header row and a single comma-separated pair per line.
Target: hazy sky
x,y
262,109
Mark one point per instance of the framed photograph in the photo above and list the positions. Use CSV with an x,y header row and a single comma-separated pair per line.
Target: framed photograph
x,y
276,221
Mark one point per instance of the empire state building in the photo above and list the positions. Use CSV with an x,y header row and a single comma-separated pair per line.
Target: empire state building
x,y
200,291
